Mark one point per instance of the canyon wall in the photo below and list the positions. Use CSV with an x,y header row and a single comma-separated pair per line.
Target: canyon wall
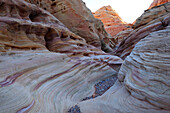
x,y
46,68
79,19
151,20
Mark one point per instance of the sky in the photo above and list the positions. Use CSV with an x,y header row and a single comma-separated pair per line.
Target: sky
x,y
128,10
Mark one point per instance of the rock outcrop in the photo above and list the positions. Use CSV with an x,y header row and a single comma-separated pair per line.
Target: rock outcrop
x,y
111,20
122,35
158,2
152,14
44,67
79,19
151,20
143,85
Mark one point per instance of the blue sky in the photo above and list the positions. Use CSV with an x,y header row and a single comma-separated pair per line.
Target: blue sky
x,y
129,10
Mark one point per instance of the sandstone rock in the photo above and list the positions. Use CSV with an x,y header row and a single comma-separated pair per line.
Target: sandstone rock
x,y
44,67
151,14
158,2
111,19
143,85
79,19
159,22
122,35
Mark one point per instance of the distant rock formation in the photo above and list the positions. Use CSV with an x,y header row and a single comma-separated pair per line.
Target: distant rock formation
x,y
154,19
80,20
111,19
158,2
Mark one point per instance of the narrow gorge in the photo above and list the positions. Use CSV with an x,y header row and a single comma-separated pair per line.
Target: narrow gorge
x,y
56,56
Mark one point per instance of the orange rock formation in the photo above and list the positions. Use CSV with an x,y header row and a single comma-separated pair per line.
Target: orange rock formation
x,y
158,2
111,19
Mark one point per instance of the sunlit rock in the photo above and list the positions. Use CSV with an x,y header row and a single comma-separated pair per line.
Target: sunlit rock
x,y
113,23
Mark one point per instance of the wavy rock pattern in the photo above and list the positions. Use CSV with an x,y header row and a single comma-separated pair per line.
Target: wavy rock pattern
x,y
122,35
44,67
144,82
79,19
152,14
158,23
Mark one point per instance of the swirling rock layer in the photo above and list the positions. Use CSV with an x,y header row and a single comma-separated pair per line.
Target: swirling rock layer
x,y
152,14
79,19
152,20
144,82
44,67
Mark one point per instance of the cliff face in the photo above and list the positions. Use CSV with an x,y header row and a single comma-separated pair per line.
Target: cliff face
x,y
79,19
158,2
111,20
151,20
46,68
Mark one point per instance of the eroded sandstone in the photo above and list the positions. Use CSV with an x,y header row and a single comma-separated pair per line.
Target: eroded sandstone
x,y
44,67
149,22
79,19
143,85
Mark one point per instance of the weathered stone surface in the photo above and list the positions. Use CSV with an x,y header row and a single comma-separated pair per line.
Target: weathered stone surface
x,y
143,85
44,67
160,21
158,2
111,19
122,35
151,14
79,19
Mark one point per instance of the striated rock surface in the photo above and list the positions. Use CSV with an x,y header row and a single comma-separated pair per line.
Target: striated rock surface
x,y
122,35
152,14
158,2
151,21
143,85
112,21
79,19
44,67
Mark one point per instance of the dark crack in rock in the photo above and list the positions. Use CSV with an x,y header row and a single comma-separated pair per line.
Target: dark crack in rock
x,y
102,87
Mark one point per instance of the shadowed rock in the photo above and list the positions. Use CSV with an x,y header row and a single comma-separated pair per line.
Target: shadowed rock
x,y
79,19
